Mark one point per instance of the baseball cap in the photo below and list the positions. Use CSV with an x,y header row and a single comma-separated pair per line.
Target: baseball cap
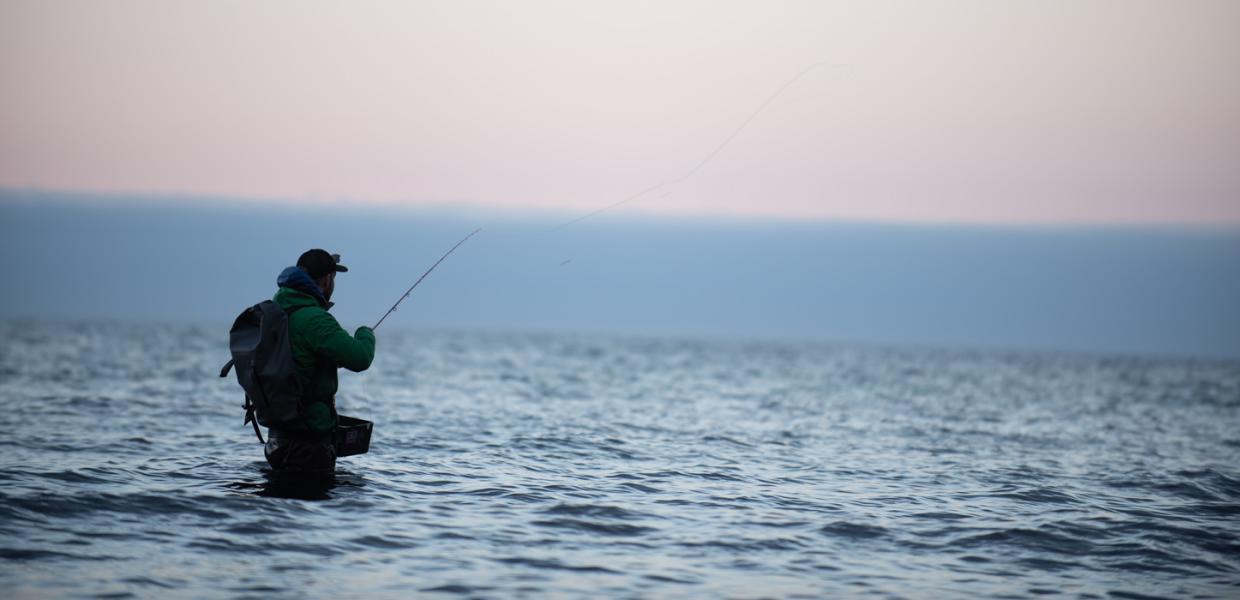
x,y
317,263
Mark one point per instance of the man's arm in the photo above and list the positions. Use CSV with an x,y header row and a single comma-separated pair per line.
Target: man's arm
x,y
353,352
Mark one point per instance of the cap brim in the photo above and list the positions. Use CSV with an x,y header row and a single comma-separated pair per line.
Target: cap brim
x,y
336,266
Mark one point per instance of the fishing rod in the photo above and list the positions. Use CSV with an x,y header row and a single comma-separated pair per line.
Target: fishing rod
x,y
428,272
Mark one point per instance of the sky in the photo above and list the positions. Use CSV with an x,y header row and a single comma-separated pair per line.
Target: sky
x,y
959,112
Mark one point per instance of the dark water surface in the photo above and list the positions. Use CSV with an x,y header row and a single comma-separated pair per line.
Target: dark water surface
x,y
528,466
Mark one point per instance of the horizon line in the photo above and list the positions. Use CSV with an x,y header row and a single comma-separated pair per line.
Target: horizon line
x,y
472,206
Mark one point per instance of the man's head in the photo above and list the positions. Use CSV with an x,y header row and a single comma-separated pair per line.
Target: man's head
x,y
322,268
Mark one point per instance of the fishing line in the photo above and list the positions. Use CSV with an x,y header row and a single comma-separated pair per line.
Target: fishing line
x,y
663,184
707,159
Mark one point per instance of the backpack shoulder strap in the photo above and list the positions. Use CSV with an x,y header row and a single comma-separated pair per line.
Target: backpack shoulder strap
x,y
249,418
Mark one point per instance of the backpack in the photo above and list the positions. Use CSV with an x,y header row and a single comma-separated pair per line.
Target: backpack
x,y
263,357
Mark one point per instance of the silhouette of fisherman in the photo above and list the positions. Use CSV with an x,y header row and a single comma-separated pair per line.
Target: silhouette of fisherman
x,y
320,346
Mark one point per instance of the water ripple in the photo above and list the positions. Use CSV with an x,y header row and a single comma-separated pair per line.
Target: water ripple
x,y
511,465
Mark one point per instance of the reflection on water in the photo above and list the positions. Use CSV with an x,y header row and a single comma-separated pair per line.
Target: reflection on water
x,y
528,466
299,486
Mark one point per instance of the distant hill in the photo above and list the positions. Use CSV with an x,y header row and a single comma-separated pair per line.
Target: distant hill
x,y
1145,290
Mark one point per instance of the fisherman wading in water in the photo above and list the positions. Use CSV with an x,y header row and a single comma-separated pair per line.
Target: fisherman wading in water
x,y
286,351
319,346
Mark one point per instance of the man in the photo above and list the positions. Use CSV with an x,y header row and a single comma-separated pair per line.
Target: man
x,y
320,346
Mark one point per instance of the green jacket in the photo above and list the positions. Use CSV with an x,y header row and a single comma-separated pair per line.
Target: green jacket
x,y
320,346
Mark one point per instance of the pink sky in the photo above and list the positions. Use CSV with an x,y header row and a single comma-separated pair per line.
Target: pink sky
x,y
981,111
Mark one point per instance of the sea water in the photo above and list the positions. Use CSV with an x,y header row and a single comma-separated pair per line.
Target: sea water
x,y
530,466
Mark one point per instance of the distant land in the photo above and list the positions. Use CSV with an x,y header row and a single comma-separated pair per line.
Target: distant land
x,y
1146,290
